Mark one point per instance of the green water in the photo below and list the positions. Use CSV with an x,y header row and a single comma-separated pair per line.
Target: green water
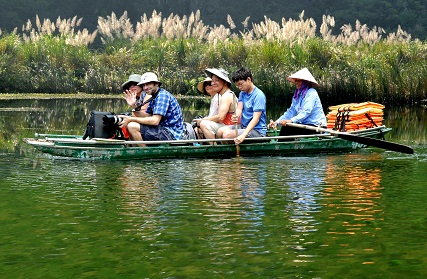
x,y
358,215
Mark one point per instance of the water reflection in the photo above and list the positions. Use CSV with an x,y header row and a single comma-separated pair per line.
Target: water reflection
x,y
225,208
218,194
230,208
302,191
409,124
353,211
245,216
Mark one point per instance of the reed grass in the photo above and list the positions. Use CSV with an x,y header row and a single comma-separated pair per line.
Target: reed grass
x,y
356,64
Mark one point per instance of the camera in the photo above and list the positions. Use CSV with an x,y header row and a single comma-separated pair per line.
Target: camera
x,y
110,120
194,123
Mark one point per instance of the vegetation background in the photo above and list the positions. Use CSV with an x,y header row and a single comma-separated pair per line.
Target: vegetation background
x,y
388,14
92,46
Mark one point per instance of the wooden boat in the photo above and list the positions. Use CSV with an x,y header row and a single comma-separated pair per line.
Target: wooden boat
x,y
108,149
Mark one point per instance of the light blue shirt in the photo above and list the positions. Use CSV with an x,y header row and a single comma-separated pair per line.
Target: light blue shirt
x,y
307,110
254,102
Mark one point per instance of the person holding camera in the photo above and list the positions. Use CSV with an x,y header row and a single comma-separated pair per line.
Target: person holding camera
x,y
205,86
164,120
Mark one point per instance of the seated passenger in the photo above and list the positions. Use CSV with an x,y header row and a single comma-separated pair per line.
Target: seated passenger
x,y
164,119
132,92
221,84
251,109
306,107
206,87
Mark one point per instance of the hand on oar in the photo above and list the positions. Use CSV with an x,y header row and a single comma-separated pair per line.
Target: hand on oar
x,y
239,139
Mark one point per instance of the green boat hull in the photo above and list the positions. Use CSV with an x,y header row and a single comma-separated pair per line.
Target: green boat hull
x,y
67,146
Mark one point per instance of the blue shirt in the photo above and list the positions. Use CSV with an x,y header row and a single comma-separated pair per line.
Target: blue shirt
x,y
166,105
254,102
307,110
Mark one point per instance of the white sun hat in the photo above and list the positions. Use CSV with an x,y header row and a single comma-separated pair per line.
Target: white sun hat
x,y
221,73
303,74
149,77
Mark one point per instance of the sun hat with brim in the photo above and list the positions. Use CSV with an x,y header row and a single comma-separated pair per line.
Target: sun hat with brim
x,y
134,78
303,74
200,85
149,77
221,73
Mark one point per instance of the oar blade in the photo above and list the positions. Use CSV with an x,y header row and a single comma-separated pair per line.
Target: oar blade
x,y
363,140
377,143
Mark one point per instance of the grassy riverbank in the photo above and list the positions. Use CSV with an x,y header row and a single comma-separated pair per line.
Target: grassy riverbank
x,y
359,64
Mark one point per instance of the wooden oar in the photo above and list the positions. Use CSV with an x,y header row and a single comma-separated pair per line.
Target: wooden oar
x,y
359,139
236,126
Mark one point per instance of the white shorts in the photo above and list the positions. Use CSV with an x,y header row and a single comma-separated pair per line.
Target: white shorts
x,y
212,126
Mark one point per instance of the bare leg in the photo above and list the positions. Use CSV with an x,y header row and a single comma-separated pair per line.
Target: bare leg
x,y
135,132
198,132
208,134
228,133
221,131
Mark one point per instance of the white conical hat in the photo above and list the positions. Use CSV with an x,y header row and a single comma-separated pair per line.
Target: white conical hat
x,y
220,72
302,74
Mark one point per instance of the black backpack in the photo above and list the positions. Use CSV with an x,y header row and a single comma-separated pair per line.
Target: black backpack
x,y
102,125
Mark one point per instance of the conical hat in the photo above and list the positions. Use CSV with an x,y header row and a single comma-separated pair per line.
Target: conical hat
x,y
221,73
303,74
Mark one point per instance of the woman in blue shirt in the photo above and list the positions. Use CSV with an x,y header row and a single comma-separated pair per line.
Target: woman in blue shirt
x,y
306,107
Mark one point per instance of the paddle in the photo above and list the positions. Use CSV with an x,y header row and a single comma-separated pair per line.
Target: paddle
x,y
359,139
236,126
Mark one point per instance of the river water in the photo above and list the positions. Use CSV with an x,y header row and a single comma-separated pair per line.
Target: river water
x,y
356,215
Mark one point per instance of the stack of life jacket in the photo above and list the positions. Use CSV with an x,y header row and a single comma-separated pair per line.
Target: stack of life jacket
x,y
355,116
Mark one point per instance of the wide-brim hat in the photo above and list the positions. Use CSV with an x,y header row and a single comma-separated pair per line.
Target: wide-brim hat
x,y
200,85
303,74
149,77
221,73
135,78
